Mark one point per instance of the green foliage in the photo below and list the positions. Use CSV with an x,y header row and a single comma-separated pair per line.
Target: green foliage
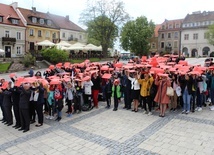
x,y
135,35
4,67
28,60
54,55
103,19
210,34
82,60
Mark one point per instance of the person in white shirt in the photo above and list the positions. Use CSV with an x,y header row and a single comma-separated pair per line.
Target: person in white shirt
x,y
87,85
69,97
135,90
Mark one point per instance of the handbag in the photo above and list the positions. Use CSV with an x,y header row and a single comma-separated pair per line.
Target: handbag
x,y
169,91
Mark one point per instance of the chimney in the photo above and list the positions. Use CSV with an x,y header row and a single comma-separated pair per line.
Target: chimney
x,y
34,9
14,5
67,17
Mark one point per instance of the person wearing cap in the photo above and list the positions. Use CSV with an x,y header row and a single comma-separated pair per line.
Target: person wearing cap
x,y
58,96
116,93
7,104
162,82
79,91
25,94
69,97
146,84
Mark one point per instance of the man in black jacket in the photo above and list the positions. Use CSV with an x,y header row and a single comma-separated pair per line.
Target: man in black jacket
x,y
24,107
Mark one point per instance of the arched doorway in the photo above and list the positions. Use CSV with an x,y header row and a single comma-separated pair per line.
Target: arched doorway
x,y
185,51
194,52
206,51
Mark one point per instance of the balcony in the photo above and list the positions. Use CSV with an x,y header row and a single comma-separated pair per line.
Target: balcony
x,y
8,41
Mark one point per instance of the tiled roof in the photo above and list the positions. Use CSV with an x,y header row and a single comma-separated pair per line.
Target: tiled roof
x,y
7,12
64,23
172,21
30,13
157,27
198,17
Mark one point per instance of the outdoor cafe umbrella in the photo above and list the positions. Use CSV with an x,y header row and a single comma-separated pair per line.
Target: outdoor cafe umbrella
x,y
45,43
2,52
63,45
91,47
76,46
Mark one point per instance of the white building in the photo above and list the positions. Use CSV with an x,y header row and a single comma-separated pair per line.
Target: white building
x,y
69,31
12,32
194,37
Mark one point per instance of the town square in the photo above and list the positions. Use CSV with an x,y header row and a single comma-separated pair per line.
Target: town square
x,y
105,79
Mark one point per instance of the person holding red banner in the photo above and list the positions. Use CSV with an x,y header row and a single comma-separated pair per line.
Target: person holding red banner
x,y
162,82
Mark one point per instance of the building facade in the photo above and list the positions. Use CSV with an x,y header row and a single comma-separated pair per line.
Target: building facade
x,y
39,27
69,31
12,32
169,36
194,41
154,40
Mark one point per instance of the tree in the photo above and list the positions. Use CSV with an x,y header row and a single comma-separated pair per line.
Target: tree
x,y
135,35
103,18
54,55
210,34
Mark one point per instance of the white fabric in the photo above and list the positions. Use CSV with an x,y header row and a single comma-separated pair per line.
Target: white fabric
x,y
87,87
134,84
35,97
178,91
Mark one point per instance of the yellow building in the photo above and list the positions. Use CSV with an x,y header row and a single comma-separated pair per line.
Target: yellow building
x,y
39,27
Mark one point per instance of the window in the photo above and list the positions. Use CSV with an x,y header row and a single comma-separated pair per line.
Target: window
x,y
15,21
169,35
153,45
49,22
1,19
195,36
39,33
34,19
41,21
186,36
54,35
169,44
80,37
162,44
18,50
63,35
162,35
175,44
18,36
47,34
177,26
163,27
31,32
170,26
7,33
206,35
176,35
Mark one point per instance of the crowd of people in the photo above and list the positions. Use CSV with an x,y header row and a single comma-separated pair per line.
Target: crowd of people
x,y
141,84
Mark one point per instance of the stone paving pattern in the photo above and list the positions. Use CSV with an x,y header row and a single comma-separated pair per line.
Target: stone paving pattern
x,y
105,132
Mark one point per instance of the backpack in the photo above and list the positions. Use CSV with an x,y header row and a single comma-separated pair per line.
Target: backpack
x,y
153,89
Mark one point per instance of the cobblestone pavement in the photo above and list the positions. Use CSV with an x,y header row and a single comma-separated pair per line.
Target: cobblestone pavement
x,y
105,132
101,131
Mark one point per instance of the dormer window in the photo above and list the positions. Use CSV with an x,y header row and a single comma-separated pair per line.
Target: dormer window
x,y
1,19
49,22
41,21
15,21
34,19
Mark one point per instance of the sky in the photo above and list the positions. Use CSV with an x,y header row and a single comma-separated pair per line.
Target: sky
x,y
155,10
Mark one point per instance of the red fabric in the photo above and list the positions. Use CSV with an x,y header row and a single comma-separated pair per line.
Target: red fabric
x,y
95,97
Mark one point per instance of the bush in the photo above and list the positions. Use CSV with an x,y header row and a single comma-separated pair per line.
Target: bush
x,y
28,60
54,55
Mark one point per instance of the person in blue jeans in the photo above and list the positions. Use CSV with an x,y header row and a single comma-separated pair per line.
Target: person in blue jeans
x,y
186,89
